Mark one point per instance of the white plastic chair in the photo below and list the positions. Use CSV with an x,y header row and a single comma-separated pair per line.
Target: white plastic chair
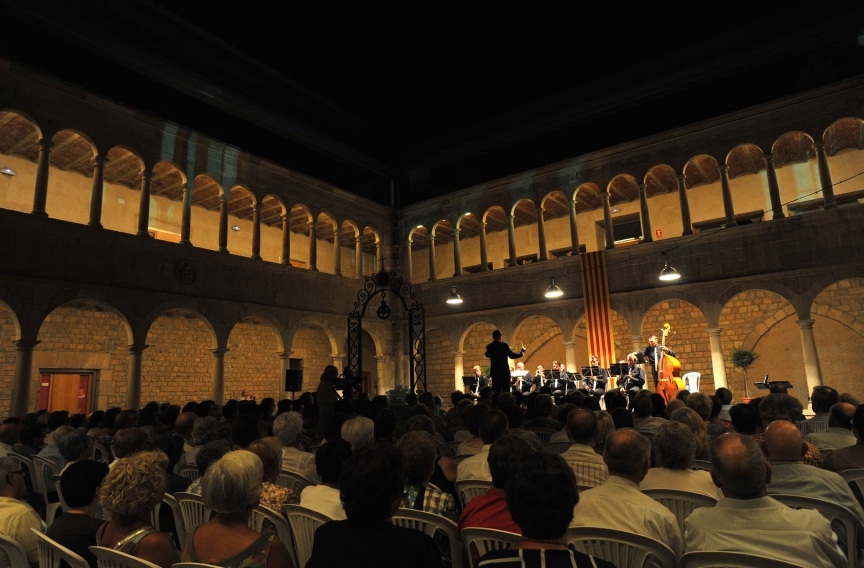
x,y
691,381
712,559
483,540
110,558
303,522
190,472
12,549
170,501
261,514
45,470
621,548
430,523
52,552
467,489
194,511
682,503
293,481
834,513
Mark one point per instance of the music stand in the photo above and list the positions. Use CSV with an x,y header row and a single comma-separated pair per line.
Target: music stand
x,y
762,385
618,369
553,376
469,382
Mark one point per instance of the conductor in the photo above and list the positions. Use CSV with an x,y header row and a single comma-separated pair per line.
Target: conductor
x,y
498,353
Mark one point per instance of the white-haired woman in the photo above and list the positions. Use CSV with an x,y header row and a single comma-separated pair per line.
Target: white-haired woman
x,y
232,487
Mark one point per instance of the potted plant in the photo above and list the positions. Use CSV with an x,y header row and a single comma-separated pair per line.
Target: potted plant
x,y
396,396
742,358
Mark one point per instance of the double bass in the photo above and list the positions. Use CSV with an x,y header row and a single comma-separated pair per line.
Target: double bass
x,y
669,380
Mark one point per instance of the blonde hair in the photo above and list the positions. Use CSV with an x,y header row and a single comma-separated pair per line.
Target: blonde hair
x,y
270,451
134,485
232,485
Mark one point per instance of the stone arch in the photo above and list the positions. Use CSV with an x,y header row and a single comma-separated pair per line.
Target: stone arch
x,y
327,234
274,228
690,342
255,352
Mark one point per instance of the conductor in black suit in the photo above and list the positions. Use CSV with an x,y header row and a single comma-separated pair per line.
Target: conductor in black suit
x,y
498,353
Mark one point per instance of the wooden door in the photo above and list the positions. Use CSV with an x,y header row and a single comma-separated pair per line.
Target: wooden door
x,y
65,391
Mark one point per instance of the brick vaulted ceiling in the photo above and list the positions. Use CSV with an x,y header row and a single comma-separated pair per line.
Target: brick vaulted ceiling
x,y
399,102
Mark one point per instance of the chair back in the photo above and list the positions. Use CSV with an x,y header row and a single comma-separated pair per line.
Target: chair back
x,y
855,479
170,501
483,540
293,481
691,380
621,548
262,515
56,479
729,560
543,433
193,510
110,558
12,549
27,463
101,453
555,447
190,472
45,470
303,523
842,520
467,489
680,502
52,552
430,523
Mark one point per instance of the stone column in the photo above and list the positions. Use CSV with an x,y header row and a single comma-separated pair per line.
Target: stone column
x,y
223,223
409,263
186,221
541,234
574,234
337,254
458,370
647,235
511,239
484,254
812,370
718,364
219,374
20,403
358,254
607,219
97,192
433,271
286,239
825,177
133,380
144,204
685,206
457,254
773,188
381,370
283,366
379,257
313,247
570,356
256,231
40,193
727,196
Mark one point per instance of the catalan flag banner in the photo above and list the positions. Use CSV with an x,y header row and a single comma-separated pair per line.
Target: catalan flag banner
x,y
598,314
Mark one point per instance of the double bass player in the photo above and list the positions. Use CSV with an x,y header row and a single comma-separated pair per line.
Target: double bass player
x,y
652,352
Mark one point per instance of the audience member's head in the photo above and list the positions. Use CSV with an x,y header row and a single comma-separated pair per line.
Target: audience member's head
x,y
493,425
12,482
627,454
385,424
359,431
287,428
419,452
848,397
614,399
841,415
621,418
372,483
738,466
674,405
269,451
777,406
329,460
823,397
605,425
75,445
232,485
745,418
80,482
701,403
245,429
10,433
582,426
503,454
543,406
134,486
783,442
658,405
591,402
129,441
642,405
204,430
209,453
540,513
674,446
724,394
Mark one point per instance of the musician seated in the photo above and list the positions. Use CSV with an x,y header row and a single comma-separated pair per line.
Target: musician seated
x,y
520,379
596,376
633,379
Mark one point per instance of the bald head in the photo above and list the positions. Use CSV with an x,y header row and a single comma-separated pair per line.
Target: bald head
x,y
738,466
582,426
783,442
627,454
841,415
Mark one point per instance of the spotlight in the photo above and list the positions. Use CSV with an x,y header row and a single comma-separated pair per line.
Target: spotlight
x,y
454,298
553,291
669,273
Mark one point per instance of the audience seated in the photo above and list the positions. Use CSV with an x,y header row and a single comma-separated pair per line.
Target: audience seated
x,y
128,495
850,457
619,503
779,406
208,454
75,446
76,527
359,431
444,472
673,451
543,408
269,452
232,487
822,398
129,441
698,427
419,453
839,433
16,516
644,420
747,520
472,417
287,428
204,430
543,516
745,418
325,497
587,465
493,425
10,437
372,485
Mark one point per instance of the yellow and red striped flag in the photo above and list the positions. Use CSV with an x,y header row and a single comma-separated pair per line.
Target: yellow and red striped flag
x,y
598,314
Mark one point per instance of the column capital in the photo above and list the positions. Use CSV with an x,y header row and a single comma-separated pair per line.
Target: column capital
x,y
723,168
806,323
714,331
26,344
137,347
219,351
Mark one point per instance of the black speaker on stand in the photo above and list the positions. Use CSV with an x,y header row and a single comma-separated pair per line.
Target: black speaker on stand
x,y
293,381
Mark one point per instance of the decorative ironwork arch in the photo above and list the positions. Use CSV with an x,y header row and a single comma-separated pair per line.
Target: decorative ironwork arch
x,y
382,283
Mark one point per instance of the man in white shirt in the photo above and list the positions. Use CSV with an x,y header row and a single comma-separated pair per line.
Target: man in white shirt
x,y
493,425
588,465
16,516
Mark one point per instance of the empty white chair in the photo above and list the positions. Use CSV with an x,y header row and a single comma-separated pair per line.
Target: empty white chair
x,y
110,558
52,552
691,381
